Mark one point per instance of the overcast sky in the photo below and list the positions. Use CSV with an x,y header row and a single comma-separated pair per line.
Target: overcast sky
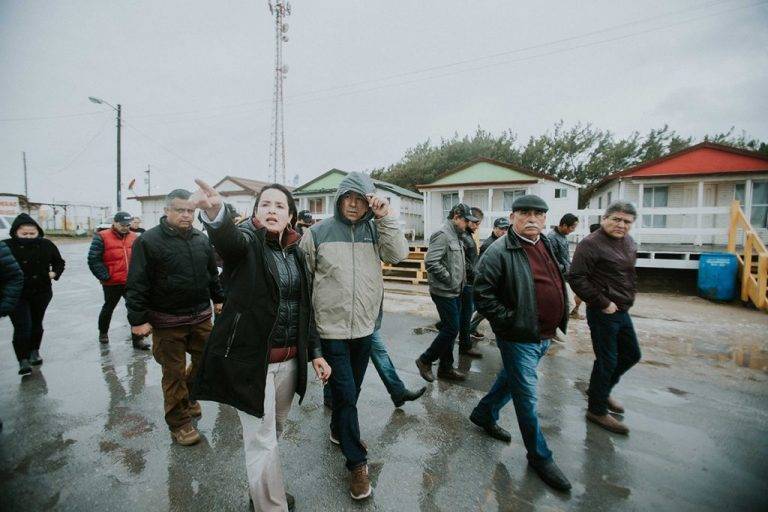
x,y
367,80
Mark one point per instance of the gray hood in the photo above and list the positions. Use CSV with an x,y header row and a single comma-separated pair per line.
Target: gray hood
x,y
354,182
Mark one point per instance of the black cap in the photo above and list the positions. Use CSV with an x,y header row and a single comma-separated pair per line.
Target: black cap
x,y
530,202
464,211
123,218
501,222
304,216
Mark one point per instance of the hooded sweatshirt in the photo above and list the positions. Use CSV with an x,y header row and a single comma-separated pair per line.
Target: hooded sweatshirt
x,y
345,260
35,256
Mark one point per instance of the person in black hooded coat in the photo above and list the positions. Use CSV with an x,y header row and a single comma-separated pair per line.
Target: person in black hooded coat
x,y
41,262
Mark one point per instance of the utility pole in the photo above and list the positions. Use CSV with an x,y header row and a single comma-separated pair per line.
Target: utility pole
x,y
149,185
280,10
26,189
119,191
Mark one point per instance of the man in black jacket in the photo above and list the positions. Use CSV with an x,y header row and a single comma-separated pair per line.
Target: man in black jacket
x,y
11,280
603,275
500,227
520,290
171,282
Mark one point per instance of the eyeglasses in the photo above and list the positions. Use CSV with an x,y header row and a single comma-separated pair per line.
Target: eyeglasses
x,y
620,220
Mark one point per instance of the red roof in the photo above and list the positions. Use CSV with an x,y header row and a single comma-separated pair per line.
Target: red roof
x,y
702,159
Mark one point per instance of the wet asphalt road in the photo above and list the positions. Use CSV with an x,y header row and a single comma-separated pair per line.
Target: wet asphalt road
x,y
86,432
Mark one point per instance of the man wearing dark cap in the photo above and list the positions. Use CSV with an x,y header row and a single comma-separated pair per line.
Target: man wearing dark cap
x,y
445,263
303,221
520,290
109,258
500,228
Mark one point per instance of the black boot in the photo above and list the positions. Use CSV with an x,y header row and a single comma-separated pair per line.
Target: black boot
x,y
409,396
103,338
35,359
491,428
24,367
551,474
291,502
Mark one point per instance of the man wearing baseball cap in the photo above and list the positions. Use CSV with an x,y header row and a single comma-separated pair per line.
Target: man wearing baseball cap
x,y
500,227
520,290
446,274
303,221
109,258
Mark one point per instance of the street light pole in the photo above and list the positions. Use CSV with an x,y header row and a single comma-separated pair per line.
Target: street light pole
x,y
119,188
117,109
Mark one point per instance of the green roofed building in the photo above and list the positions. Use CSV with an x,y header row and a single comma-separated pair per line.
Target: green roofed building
x,y
492,186
317,196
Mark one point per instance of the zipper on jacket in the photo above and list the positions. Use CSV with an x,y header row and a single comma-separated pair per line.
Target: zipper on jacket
x,y
232,336
354,290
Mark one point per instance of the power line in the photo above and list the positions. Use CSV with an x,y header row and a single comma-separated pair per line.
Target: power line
x,y
87,145
43,118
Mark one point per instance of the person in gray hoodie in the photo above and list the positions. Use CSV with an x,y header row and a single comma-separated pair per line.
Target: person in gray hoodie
x,y
344,255
445,262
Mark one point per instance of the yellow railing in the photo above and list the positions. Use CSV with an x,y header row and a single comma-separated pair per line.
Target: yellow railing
x,y
753,259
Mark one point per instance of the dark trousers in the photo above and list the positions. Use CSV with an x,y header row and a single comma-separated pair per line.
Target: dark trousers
x,y
616,351
27,320
349,360
170,346
449,309
465,317
112,294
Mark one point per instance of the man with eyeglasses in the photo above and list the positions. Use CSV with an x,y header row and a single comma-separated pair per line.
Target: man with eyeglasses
x,y
171,282
520,290
603,275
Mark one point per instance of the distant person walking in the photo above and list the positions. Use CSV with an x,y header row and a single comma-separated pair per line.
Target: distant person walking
x,y
109,258
41,263
446,272
558,236
603,274
171,282
136,226
500,227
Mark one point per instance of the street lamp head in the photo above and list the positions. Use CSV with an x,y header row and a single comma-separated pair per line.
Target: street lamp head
x,y
95,100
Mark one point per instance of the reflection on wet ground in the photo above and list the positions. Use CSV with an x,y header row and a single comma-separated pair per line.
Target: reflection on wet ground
x,y
86,430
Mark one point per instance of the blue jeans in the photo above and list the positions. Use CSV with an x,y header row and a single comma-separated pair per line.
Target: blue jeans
x,y
348,359
517,382
465,317
449,309
384,367
616,351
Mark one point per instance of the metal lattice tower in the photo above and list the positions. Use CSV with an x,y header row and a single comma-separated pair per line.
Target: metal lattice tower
x,y
280,10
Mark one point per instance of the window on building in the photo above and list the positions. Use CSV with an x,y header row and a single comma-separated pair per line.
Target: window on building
x,y
610,195
600,203
317,205
655,197
759,218
449,201
561,193
739,193
509,198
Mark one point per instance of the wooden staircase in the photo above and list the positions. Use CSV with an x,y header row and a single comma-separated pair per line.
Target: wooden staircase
x,y
753,259
410,270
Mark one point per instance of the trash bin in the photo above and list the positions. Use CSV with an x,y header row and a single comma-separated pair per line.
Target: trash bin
x,y
717,275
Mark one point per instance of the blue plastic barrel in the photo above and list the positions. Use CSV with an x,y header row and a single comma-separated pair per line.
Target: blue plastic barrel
x,y
717,275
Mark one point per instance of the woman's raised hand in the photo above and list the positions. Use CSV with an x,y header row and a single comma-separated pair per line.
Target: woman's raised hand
x,y
207,198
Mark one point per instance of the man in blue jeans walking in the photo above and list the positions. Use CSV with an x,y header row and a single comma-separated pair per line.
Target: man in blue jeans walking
x,y
387,373
344,255
446,273
520,290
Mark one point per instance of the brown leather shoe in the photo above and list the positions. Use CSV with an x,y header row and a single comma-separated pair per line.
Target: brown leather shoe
x,y
194,409
451,374
615,406
608,422
186,435
359,483
425,370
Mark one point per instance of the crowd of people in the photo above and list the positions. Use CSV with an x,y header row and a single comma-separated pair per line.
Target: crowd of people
x,y
254,301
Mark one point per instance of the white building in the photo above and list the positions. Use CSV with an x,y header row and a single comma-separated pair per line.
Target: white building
x,y
684,198
492,186
317,196
239,192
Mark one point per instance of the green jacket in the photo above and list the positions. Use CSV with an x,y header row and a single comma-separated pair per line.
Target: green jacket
x,y
345,262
